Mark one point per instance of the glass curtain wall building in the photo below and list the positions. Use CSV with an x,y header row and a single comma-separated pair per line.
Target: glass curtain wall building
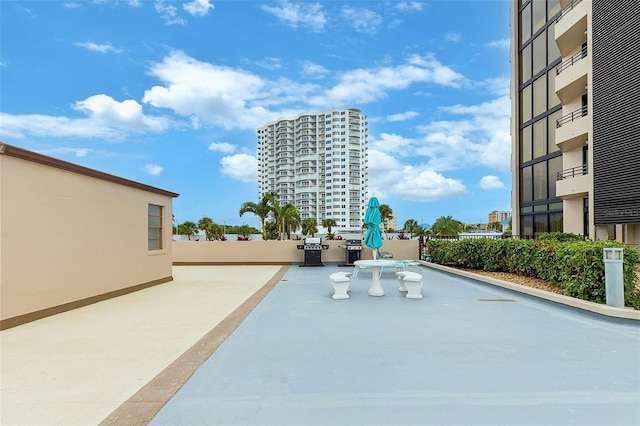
x,y
576,118
536,158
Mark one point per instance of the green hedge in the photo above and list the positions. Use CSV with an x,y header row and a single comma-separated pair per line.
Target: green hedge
x,y
573,264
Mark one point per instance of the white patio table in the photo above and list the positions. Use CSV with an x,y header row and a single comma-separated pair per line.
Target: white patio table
x,y
375,289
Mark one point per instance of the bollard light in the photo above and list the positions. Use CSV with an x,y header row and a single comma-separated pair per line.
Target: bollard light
x,y
613,276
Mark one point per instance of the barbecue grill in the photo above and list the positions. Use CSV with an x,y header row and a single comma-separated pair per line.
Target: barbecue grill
x,y
353,249
312,251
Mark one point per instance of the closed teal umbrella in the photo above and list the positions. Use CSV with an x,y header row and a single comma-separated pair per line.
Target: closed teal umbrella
x,y
373,236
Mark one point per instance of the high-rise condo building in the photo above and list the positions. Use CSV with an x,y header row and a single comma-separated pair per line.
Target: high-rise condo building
x,y
498,216
317,162
576,118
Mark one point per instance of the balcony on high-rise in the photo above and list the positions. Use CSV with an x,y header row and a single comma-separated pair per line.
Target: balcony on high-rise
x,y
572,130
571,75
573,182
571,25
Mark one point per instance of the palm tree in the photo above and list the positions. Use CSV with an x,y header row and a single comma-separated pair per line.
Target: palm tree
x,y
385,215
496,226
411,226
205,224
329,224
309,226
282,213
260,209
291,219
446,225
187,228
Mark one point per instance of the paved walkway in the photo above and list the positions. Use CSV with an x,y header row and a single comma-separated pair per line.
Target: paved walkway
x,y
468,353
75,368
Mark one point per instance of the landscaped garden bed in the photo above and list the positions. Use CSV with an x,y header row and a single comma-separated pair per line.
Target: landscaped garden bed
x,y
562,263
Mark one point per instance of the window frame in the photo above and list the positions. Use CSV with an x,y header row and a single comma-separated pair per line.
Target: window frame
x,y
155,230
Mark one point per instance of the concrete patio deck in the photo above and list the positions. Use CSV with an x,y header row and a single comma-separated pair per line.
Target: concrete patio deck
x,y
468,353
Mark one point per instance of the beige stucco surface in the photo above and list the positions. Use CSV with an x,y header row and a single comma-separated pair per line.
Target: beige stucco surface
x,y
277,251
76,367
67,236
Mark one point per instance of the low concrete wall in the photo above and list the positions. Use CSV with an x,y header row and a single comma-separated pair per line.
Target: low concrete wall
x,y
259,252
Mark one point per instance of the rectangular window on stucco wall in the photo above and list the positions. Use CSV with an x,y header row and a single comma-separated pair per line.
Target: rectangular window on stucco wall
x,y
155,227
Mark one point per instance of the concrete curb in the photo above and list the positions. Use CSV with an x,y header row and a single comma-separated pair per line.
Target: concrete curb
x,y
596,308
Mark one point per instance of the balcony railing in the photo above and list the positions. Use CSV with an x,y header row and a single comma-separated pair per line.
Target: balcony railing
x,y
568,8
572,60
573,172
573,116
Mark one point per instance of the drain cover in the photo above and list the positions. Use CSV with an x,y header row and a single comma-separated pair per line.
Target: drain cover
x,y
495,300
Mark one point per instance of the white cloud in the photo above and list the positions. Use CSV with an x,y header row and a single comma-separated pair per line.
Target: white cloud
x,y
206,94
390,178
367,85
126,115
236,98
403,116
453,37
304,15
104,118
76,152
505,43
242,167
440,74
473,136
102,48
481,139
3,64
152,169
219,95
223,147
269,63
500,86
491,182
71,5
408,6
362,20
314,70
198,7
392,143
168,13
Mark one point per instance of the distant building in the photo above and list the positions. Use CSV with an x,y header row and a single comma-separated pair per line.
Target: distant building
x,y
317,162
498,216
391,223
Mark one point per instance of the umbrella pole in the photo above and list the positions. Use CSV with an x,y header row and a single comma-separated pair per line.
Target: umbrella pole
x,y
374,252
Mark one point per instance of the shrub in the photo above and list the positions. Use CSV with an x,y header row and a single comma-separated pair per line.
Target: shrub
x,y
561,236
574,264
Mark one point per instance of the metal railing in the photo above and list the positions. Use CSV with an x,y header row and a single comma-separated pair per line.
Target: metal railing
x,y
568,8
572,116
572,60
572,172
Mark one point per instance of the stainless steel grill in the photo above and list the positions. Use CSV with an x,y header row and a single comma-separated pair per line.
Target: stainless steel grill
x,y
312,251
354,247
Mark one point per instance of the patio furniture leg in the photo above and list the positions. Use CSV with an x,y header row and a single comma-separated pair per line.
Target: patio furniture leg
x,y
356,269
402,288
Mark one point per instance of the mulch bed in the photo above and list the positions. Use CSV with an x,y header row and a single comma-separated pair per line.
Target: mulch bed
x,y
518,279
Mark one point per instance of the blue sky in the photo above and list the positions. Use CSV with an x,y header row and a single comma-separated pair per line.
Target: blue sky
x,y
170,93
